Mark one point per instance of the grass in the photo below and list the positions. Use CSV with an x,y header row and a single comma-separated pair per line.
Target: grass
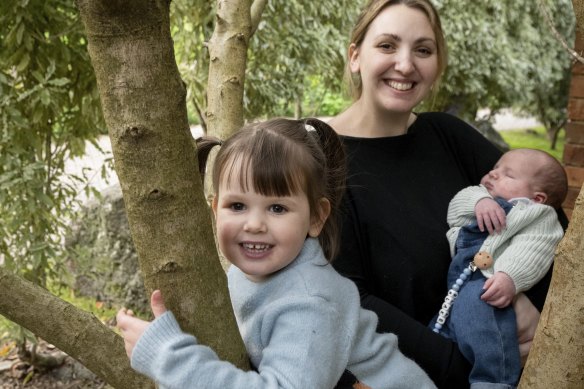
x,y
534,138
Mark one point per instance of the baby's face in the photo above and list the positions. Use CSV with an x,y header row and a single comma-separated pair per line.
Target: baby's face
x,y
513,176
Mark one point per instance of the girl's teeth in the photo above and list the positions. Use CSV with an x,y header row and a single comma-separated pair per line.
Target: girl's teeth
x,y
255,246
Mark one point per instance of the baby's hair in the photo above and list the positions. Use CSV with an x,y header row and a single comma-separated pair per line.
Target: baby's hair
x,y
550,175
285,157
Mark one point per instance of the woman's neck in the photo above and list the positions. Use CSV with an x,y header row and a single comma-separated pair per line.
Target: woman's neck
x,y
358,121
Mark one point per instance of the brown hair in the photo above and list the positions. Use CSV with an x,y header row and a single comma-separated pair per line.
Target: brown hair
x,y
370,12
286,157
550,177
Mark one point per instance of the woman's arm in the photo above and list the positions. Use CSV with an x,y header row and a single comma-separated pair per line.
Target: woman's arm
x,y
438,356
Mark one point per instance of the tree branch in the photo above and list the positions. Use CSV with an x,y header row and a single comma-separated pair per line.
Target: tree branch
x,y
74,331
548,19
257,9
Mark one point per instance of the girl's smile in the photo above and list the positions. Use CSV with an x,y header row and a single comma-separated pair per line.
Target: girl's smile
x,y
260,234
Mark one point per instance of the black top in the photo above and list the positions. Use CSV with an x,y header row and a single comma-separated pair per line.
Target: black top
x,y
394,244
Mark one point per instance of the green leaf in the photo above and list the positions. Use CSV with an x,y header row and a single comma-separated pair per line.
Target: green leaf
x,y
59,81
45,97
19,33
24,61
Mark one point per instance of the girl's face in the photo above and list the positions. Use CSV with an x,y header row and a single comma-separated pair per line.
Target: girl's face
x,y
397,60
260,234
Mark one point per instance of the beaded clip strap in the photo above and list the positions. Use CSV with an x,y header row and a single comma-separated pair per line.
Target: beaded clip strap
x,y
482,260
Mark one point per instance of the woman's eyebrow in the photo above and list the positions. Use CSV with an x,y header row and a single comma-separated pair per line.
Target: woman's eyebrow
x,y
399,39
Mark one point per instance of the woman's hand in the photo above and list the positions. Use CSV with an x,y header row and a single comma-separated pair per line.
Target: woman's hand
x,y
131,327
527,319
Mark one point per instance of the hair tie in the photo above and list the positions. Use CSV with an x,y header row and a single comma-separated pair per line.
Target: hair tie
x,y
309,127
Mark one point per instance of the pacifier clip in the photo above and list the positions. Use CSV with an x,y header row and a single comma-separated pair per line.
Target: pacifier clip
x,y
482,260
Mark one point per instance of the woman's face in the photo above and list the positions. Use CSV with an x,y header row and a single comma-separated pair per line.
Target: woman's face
x,y
397,60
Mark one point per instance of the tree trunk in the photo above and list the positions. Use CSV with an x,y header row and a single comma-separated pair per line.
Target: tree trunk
x,y
557,356
235,23
143,99
76,332
228,58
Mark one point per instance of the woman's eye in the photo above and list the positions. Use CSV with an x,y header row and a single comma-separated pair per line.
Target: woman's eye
x,y
386,46
237,207
277,208
424,52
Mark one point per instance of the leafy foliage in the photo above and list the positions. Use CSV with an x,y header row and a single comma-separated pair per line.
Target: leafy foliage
x,y
298,47
48,108
502,54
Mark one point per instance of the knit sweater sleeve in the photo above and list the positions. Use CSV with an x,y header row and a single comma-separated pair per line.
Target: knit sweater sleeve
x,y
461,211
534,233
295,335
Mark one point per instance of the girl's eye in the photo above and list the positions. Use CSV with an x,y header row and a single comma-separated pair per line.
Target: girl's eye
x,y
277,208
237,207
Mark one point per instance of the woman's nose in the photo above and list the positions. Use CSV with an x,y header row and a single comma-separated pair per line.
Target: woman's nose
x,y
403,62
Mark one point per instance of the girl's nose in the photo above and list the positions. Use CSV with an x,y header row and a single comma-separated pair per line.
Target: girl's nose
x,y
493,174
254,224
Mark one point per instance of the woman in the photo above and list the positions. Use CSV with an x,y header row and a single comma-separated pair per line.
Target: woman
x,y
404,168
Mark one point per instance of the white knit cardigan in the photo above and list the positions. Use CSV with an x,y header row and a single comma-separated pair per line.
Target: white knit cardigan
x,y
524,249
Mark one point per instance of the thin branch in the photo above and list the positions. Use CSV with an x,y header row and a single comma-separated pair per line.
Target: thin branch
x,y
575,56
257,9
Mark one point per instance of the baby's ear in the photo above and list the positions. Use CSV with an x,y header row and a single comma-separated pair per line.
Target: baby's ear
x,y
539,197
322,213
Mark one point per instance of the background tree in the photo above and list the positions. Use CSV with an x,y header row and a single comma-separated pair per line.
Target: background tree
x,y
49,107
502,55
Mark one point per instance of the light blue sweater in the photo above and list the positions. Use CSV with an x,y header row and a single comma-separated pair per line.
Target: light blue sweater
x,y
302,328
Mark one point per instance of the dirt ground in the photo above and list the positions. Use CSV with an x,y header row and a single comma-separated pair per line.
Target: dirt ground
x,y
70,374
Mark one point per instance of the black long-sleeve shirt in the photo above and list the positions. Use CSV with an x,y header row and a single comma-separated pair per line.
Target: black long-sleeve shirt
x,y
394,244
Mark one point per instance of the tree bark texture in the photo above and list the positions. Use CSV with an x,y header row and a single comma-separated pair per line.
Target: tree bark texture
x,y
556,359
143,99
579,12
228,58
74,331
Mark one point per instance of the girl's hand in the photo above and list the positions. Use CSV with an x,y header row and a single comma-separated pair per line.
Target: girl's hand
x,y
490,215
131,327
527,319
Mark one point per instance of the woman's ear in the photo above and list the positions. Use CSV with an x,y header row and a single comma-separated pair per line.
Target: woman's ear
x,y
322,213
354,64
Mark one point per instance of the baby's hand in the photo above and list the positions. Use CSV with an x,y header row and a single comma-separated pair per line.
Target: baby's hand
x,y
499,290
490,215
131,327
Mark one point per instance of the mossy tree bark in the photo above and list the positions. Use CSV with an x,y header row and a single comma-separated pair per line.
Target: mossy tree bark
x,y
143,99
78,333
556,358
